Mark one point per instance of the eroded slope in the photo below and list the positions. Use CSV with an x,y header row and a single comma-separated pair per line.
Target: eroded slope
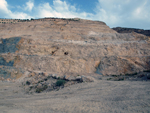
x,y
67,46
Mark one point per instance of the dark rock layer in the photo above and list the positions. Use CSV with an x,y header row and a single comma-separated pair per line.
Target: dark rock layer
x,y
129,30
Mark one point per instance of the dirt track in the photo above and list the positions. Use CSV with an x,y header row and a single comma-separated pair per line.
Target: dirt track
x,y
100,96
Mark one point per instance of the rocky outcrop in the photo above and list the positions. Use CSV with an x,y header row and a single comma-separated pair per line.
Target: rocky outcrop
x,y
74,46
39,82
129,30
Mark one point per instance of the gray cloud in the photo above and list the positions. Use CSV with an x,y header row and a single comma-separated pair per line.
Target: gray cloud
x,y
128,13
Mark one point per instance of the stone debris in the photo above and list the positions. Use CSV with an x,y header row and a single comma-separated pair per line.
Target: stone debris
x,y
41,82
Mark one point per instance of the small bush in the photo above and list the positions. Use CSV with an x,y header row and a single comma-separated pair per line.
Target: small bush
x,y
148,77
30,88
114,75
109,78
60,82
146,71
120,79
133,74
28,83
39,90
40,81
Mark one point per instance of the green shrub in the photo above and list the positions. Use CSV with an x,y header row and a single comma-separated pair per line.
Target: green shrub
x,y
28,83
114,75
109,78
60,82
131,74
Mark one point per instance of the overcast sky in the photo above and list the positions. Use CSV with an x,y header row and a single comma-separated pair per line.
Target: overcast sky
x,y
123,13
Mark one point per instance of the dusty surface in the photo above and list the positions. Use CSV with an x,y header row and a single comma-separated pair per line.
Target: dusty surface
x,y
100,96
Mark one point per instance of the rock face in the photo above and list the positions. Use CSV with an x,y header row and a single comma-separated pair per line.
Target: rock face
x,y
129,30
70,46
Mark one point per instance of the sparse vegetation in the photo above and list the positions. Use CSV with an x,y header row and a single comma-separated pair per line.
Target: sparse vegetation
x,y
146,71
28,83
39,90
148,77
119,79
109,78
114,75
131,74
40,81
73,19
30,88
60,82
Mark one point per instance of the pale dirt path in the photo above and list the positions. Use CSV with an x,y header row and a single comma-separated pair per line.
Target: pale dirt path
x,y
98,97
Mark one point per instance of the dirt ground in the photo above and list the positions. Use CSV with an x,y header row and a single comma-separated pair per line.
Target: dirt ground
x,y
101,96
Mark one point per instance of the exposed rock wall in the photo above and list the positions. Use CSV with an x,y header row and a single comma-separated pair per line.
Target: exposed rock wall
x,y
71,46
